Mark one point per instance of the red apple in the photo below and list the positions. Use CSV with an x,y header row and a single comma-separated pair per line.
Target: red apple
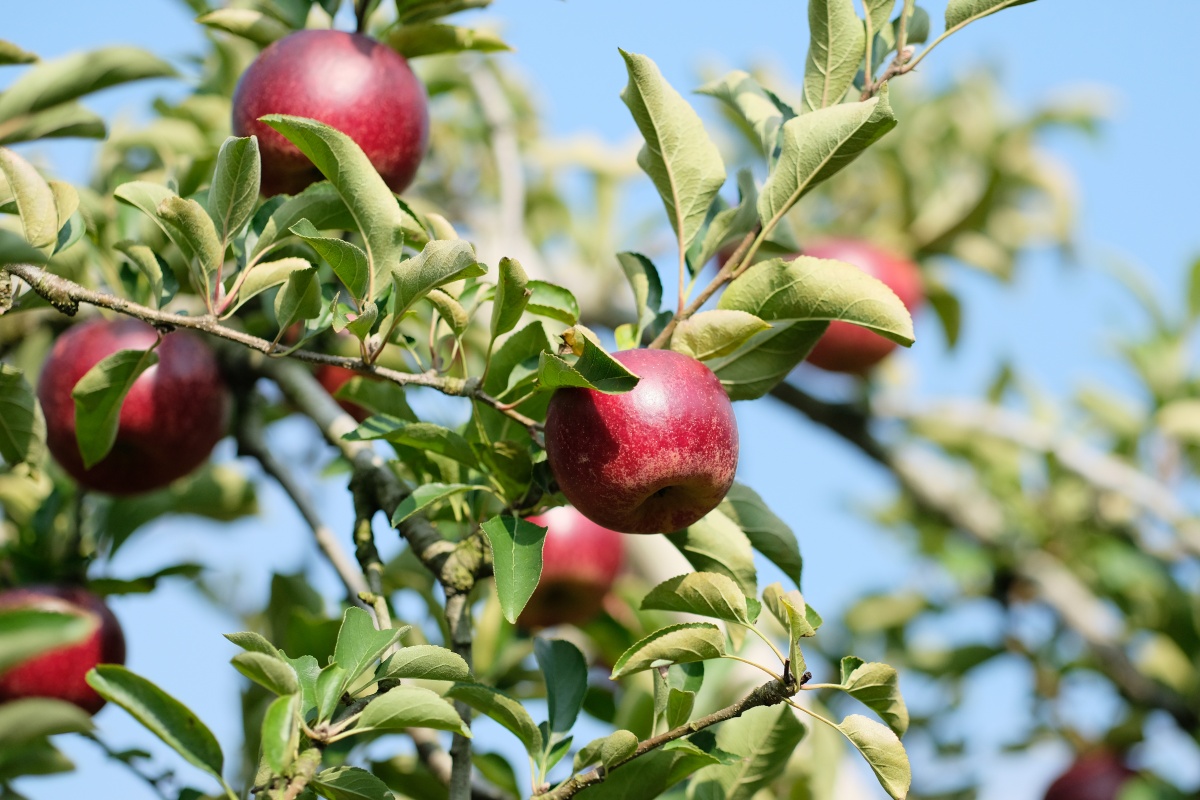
x,y
60,673
580,561
652,460
333,377
346,80
174,414
1093,776
849,348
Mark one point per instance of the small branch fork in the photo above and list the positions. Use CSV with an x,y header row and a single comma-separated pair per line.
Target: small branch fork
x,y
768,694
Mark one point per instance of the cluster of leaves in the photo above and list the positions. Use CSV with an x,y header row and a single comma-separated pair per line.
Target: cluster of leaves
x,y
345,257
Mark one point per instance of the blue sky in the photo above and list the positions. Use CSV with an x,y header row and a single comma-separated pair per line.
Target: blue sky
x,y
1136,190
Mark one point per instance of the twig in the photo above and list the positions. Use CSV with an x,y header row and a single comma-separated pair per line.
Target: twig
x,y
252,442
458,617
66,296
943,492
155,784
769,694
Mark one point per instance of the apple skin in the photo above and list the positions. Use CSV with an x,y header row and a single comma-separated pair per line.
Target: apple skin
x,y
849,348
175,412
1093,776
333,377
60,673
652,460
580,561
346,80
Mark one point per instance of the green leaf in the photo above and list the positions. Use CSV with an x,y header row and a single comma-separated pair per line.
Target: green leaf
x,y
705,593
410,707
803,622
35,200
432,38
193,223
372,204
268,670
11,54
679,707
553,301
252,642
878,14
595,369
308,672
59,122
281,732
651,775
522,347
763,739
883,751
759,108
27,719
918,26
360,644
439,262
299,299
347,259
962,12
877,687
148,198
607,750
717,544
150,265
320,204
711,334
266,275
818,144
421,435
511,297
835,52
99,395
412,11
331,683
679,157
426,495
70,77
516,561
565,670
819,290
350,783
503,709
161,714
647,287
675,644
234,190
450,310
424,662
28,632
247,23
22,425
768,534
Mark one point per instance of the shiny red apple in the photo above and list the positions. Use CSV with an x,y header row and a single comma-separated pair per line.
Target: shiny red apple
x,y
850,348
346,80
333,377
175,412
1093,776
652,460
580,561
60,673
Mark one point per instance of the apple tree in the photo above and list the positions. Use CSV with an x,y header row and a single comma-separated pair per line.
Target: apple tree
x,y
260,251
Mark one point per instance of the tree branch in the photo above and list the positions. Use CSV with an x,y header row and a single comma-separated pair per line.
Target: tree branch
x,y
943,492
458,617
252,442
769,694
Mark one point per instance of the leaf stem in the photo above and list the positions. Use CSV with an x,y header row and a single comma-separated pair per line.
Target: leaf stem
x,y
754,664
782,658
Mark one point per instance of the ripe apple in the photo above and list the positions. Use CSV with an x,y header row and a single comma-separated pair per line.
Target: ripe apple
x,y
652,460
849,348
174,414
580,561
60,673
333,377
1093,776
346,80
